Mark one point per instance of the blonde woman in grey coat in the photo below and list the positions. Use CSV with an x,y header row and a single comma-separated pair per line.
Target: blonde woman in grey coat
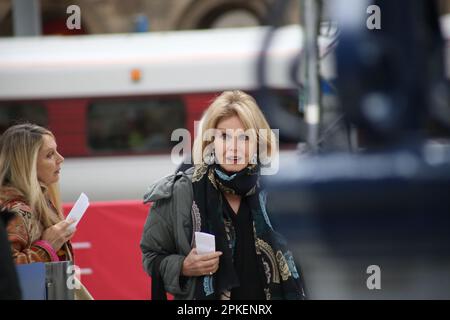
x,y
221,195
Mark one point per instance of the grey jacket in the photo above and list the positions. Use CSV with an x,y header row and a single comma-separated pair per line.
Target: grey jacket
x,y
168,231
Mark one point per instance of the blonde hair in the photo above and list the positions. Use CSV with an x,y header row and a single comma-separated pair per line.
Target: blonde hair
x,y
19,148
240,104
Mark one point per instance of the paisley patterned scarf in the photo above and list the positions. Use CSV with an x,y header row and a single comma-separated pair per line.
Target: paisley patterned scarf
x,y
281,278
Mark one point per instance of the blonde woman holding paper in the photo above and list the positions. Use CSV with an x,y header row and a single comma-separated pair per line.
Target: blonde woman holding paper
x,y
29,172
222,197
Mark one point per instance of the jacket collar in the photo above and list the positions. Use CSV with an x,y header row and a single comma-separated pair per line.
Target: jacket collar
x,y
163,188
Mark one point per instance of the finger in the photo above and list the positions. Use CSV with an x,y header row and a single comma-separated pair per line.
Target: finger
x,y
69,228
70,233
210,256
214,268
207,271
69,222
63,225
210,271
207,264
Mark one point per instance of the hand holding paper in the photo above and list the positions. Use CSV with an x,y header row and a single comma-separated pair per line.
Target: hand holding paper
x,y
78,210
203,253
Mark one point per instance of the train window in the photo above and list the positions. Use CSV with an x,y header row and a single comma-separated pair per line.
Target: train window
x,y
18,112
134,125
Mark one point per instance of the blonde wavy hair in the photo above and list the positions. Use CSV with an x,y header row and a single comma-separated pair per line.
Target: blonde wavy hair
x,y
19,148
240,104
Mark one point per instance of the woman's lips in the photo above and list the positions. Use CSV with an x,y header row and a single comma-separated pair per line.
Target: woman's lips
x,y
234,160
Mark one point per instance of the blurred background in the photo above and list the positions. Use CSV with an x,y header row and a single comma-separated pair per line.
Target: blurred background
x,y
114,16
123,89
363,117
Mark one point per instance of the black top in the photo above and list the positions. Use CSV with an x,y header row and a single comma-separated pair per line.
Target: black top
x,y
244,258
9,282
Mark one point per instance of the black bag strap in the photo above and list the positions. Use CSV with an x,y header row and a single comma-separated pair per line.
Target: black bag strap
x,y
158,290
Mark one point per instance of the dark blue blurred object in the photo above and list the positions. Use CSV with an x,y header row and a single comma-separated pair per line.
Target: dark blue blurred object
x,y
391,79
343,213
141,23
389,206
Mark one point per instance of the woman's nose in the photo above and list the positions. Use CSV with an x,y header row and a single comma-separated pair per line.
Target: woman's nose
x,y
232,144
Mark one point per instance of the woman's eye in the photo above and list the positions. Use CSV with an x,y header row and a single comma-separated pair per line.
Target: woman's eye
x,y
225,136
50,155
243,138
